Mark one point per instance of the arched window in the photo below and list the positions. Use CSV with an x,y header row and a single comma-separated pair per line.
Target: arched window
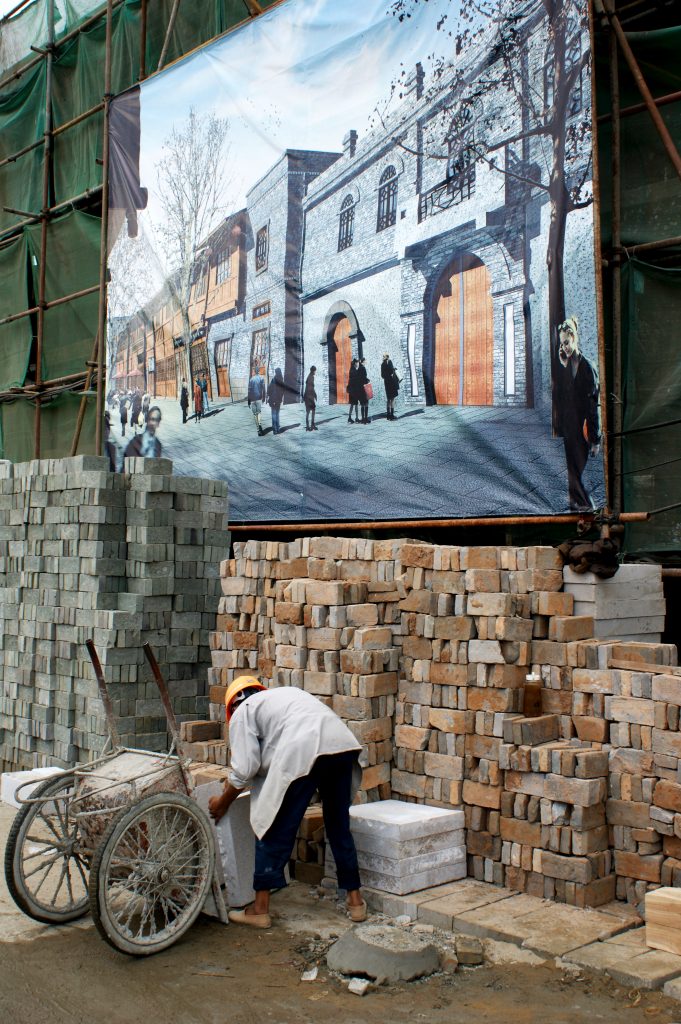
x,y
387,199
347,223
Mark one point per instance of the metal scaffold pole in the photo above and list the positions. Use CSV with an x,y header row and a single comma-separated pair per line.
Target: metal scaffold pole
x,y
101,322
44,220
616,199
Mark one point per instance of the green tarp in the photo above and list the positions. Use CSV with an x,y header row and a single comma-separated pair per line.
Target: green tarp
x,y
15,337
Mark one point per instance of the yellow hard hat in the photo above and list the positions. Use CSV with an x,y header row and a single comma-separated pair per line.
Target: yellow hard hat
x,y
236,687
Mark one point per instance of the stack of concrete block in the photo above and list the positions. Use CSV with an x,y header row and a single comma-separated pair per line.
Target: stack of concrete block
x,y
403,847
629,606
85,553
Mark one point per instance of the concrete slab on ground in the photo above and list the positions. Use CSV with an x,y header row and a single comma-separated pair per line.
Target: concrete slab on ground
x,y
467,895
649,969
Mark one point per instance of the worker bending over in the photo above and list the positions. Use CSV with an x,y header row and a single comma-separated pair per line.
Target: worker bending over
x,y
285,744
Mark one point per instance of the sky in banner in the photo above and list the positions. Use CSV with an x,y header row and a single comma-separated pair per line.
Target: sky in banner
x,y
298,77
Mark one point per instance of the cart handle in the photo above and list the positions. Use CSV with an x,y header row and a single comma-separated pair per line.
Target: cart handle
x,y
170,714
103,693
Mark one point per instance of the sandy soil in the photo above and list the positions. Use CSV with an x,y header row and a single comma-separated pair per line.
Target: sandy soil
x,y
220,974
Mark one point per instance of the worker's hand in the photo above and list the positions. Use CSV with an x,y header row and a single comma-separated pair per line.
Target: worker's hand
x,y
216,808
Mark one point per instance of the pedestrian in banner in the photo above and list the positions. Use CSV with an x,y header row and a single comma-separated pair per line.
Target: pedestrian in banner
x,y
577,411
310,399
146,445
285,745
111,449
353,391
136,417
146,401
366,392
198,401
204,389
275,396
256,396
184,399
123,408
391,383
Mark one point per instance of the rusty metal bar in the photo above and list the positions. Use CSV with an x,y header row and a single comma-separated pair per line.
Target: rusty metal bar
x,y
42,274
169,32
423,524
663,243
101,325
616,200
656,117
638,108
253,8
671,573
13,11
143,41
103,694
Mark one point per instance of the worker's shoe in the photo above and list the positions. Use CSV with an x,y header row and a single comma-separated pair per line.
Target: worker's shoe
x,y
358,913
253,920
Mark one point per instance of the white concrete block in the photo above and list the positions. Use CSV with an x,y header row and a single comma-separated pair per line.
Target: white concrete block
x,y
399,849
630,572
11,781
398,821
235,843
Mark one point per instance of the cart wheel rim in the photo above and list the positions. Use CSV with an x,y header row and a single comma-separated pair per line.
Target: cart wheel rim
x,y
45,867
152,873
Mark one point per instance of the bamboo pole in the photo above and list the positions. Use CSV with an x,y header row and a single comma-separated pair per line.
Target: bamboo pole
x,y
616,200
34,218
656,117
50,305
169,32
83,400
425,524
42,279
101,326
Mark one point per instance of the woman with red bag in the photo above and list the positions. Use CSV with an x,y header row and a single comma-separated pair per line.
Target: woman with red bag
x,y
365,389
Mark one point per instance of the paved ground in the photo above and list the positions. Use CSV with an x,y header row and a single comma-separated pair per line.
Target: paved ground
x,y
69,975
435,462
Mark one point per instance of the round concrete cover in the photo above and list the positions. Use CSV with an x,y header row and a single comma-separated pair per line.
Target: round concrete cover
x,y
384,953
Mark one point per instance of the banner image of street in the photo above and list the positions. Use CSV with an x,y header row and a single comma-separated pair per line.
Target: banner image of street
x,y
352,263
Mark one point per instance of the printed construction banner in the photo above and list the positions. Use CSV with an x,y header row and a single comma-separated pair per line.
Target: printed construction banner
x,y
363,214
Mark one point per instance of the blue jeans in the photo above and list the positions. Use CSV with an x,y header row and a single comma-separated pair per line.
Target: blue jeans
x,y
275,419
331,774
206,406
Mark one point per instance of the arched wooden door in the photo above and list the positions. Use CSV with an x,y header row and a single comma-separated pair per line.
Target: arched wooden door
x,y
462,363
342,360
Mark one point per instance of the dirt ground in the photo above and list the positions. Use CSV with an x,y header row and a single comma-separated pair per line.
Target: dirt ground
x,y
219,974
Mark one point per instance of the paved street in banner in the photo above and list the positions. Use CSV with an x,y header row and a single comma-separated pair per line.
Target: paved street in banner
x,y
432,462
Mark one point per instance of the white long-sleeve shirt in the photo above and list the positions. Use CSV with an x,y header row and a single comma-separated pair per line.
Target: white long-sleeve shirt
x,y
275,737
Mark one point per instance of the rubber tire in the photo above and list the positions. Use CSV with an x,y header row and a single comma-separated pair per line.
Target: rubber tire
x,y
21,898
111,836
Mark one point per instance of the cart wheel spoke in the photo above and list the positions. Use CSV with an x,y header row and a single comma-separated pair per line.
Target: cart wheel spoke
x,y
41,851
151,874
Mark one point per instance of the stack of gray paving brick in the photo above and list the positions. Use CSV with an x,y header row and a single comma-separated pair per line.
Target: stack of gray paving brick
x,y
629,606
88,553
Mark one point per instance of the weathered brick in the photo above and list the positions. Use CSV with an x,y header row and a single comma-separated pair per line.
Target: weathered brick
x,y
583,792
571,869
515,830
481,795
443,766
633,865
572,627
411,737
452,721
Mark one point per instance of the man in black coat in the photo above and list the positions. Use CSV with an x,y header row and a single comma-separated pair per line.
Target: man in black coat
x,y
391,383
275,396
353,390
184,400
362,381
310,399
577,410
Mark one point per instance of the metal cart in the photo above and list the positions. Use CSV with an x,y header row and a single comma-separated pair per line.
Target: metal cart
x,y
121,837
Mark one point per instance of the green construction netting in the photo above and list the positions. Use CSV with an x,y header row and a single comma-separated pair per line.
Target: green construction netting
x,y
57,425
652,357
69,328
15,337
22,121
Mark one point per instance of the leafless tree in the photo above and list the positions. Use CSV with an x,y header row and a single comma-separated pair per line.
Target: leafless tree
x,y
131,283
191,183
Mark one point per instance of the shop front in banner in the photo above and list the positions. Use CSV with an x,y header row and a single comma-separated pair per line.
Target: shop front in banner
x,y
352,263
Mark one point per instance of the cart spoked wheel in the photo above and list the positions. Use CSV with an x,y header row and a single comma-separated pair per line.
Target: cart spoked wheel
x,y
151,873
46,873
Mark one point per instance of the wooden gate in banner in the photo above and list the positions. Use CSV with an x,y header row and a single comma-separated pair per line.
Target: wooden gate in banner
x,y
464,335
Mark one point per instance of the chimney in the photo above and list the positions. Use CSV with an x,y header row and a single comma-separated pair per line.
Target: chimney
x,y
350,143
414,85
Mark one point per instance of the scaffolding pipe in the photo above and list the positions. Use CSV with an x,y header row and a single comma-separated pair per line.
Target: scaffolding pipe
x,y
13,11
638,108
101,325
143,41
42,278
616,200
657,119
51,304
664,243
424,524
34,218
83,399
169,32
